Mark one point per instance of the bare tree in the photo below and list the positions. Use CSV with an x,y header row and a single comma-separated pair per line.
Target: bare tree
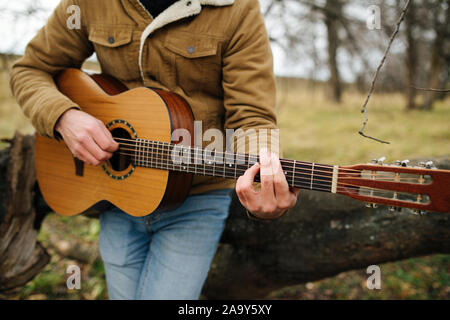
x,y
333,10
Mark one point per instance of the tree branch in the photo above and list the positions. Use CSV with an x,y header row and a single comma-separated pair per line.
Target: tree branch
x,y
372,86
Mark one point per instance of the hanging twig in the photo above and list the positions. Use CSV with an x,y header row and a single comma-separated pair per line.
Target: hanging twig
x,y
372,87
431,89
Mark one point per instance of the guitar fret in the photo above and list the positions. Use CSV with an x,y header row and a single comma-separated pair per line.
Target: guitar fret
x,y
135,153
140,152
214,164
157,154
195,160
168,158
164,163
224,164
293,174
143,153
204,166
186,162
229,172
147,151
240,161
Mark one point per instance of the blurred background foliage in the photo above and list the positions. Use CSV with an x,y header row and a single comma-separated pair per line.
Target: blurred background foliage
x,y
318,109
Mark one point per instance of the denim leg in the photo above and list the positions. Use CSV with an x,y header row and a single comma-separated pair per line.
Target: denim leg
x,y
123,244
183,245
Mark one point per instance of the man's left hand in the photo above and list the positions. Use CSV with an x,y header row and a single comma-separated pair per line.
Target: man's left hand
x,y
275,196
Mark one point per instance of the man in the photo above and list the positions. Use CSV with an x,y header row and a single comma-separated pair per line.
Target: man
x,y
214,53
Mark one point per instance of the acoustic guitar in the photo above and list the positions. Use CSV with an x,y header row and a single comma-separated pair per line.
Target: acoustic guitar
x,y
142,177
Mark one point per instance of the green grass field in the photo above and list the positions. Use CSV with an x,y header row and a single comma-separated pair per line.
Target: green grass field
x,y
312,129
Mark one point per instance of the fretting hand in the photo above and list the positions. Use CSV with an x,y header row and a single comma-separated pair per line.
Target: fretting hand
x,y
275,196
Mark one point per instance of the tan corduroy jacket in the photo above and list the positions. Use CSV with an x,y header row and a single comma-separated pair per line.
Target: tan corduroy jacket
x,y
214,53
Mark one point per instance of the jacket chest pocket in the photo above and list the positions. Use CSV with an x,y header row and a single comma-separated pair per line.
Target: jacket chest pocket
x,y
116,51
196,61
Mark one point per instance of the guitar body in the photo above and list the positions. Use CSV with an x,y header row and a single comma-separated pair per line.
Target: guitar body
x,y
71,187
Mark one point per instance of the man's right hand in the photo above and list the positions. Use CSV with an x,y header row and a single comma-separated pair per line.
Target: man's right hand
x,y
86,137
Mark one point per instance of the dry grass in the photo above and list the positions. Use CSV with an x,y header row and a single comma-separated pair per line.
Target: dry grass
x,y
313,129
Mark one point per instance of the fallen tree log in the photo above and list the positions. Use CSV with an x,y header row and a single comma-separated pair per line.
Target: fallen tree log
x,y
321,237
21,211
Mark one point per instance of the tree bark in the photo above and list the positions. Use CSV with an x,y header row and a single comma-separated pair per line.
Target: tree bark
x,y
411,57
332,10
21,256
438,63
322,236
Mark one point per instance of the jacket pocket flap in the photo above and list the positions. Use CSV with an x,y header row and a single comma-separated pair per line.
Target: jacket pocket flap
x,y
190,46
111,38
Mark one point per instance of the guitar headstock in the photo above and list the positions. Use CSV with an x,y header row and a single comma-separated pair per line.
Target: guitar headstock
x,y
398,185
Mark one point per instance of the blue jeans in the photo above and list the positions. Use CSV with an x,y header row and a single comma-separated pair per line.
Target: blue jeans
x,y
163,255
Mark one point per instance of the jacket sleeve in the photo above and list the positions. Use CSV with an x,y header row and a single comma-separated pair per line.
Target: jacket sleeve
x,y
248,79
54,48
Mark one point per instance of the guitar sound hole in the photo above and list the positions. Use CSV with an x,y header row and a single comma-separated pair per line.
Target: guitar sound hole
x,y
120,161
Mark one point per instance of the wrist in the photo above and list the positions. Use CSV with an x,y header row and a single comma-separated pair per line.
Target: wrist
x,y
60,122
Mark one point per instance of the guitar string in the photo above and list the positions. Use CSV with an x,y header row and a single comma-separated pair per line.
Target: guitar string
x,y
342,185
342,170
224,153
344,188
286,170
305,184
209,171
242,171
299,170
225,169
285,161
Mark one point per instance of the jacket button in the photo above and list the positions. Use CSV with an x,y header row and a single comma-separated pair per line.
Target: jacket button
x,y
188,3
111,40
190,49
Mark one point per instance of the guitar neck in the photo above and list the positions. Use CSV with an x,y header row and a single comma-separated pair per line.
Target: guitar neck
x,y
230,165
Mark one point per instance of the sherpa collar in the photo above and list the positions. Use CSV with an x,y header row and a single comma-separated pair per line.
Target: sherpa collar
x,y
178,10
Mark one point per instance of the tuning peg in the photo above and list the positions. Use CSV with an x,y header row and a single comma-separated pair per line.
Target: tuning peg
x,y
395,209
398,163
381,160
371,205
374,161
429,165
419,212
404,163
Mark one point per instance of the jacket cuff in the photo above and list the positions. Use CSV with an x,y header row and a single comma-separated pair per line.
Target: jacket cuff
x,y
251,216
53,118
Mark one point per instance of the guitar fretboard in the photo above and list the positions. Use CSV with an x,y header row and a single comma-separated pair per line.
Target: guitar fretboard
x,y
230,165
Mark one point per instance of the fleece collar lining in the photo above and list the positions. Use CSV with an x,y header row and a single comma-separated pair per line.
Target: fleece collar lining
x,y
178,10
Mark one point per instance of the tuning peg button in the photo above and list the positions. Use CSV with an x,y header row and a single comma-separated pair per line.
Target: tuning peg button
x,y
419,212
404,163
429,165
